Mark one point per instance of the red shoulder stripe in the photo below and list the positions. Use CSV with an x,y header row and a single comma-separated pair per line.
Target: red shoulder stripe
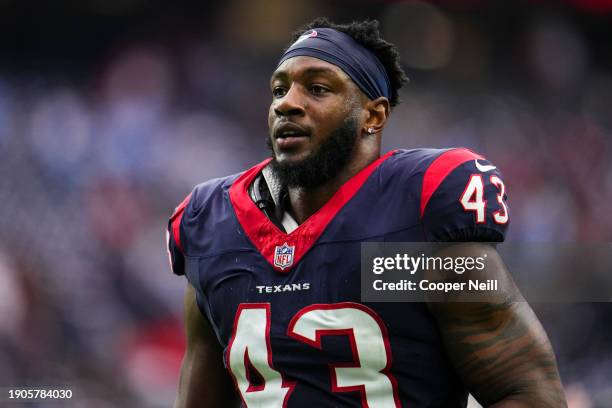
x,y
441,167
175,221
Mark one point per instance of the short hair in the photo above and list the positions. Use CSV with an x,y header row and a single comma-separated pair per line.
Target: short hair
x,y
367,34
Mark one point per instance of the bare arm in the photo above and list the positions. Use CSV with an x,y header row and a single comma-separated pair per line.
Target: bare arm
x,y
497,345
204,381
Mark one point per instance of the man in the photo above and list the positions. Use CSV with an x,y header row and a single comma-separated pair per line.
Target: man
x,y
272,308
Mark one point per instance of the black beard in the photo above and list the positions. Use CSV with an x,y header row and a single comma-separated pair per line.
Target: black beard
x,y
324,164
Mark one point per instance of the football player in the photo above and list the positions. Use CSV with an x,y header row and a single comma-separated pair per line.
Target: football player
x,y
272,256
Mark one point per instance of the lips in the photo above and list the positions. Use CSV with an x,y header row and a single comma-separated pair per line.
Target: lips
x,y
289,130
290,135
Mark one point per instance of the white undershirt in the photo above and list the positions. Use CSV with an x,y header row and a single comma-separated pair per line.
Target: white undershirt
x,y
289,223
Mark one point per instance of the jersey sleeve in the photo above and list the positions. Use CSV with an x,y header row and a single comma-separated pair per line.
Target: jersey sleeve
x,y
173,235
463,198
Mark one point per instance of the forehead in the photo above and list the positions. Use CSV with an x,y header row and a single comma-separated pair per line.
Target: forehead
x,y
304,65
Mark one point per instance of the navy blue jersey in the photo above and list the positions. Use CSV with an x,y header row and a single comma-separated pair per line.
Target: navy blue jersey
x,y
286,307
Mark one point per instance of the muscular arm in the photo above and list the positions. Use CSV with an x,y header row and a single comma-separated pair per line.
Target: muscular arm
x,y
203,381
497,345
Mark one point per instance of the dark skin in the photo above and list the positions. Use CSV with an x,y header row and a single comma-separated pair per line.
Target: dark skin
x,y
318,96
497,346
203,382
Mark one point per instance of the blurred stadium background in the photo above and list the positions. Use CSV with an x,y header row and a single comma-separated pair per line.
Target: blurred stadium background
x,y
110,111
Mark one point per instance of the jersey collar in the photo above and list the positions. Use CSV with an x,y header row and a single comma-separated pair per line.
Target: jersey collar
x,y
283,251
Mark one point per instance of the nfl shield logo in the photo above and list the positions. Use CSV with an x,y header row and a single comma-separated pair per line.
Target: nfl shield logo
x,y
283,256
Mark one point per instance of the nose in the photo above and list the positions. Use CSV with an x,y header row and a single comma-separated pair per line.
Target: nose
x,y
291,104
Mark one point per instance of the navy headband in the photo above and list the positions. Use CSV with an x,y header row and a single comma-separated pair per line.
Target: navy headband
x,y
340,49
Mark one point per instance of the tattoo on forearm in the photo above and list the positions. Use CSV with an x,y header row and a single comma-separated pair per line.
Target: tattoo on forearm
x,y
501,350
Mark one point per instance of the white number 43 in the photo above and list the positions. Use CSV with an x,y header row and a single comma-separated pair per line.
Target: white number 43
x,y
249,348
472,199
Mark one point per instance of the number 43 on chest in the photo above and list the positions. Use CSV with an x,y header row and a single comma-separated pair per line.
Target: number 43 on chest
x,y
369,374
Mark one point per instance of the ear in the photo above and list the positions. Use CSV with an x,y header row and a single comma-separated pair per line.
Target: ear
x,y
377,114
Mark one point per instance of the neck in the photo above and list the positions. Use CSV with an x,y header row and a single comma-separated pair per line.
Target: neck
x,y
304,202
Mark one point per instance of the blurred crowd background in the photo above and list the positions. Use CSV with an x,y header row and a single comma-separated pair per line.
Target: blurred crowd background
x,y
110,112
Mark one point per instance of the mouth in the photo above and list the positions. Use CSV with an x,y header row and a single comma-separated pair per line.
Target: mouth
x,y
289,135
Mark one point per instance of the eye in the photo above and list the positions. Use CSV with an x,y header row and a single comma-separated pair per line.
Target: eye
x,y
318,89
278,92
